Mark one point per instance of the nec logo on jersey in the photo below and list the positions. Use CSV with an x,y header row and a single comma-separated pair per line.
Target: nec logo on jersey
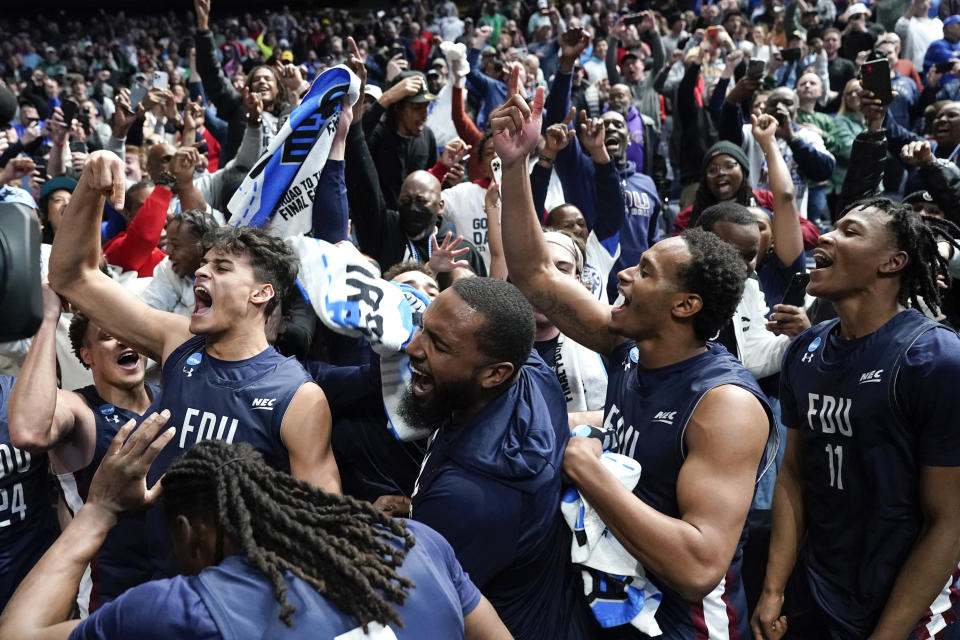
x,y
871,376
666,417
263,403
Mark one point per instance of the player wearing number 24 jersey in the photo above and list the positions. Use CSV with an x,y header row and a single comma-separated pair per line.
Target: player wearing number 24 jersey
x,y
27,526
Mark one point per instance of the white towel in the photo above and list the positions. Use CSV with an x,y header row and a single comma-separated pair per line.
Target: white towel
x,y
350,298
614,582
582,375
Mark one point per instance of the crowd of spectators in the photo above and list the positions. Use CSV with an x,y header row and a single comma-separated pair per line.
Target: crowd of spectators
x,y
657,118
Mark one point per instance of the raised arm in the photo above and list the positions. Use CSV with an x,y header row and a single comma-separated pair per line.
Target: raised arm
x,y
41,607
330,210
567,303
787,237
216,85
610,206
368,209
75,267
40,416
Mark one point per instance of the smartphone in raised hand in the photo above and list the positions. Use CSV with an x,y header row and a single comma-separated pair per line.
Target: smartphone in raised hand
x,y
875,78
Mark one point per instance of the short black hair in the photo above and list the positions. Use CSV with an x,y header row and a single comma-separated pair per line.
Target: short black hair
x,y
715,273
77,332
725,212
406,267
508,328
198,222
916,235
272,261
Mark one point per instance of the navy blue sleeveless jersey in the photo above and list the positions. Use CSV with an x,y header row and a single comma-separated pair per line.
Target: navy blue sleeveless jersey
x,y
27,525
121,562
871,412
233,600
211,399
650,409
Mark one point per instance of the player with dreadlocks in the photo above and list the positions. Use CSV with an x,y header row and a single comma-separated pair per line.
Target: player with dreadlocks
x,y
264,556
867,504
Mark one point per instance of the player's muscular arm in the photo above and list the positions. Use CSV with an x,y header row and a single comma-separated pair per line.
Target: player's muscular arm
x,y
75,261
932,559
306,434
41,417
566,302
714,491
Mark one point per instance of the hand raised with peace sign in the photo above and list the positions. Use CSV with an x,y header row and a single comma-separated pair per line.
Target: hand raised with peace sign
x,y
515,124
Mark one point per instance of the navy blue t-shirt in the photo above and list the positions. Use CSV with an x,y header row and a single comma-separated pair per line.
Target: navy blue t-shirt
x,y
492,488
650,409
27,525
871,412
233,600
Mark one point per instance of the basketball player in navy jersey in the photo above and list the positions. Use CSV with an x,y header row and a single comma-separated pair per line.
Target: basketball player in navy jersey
x,y
348,571
866,509
687,411
221,379
75,428
27,521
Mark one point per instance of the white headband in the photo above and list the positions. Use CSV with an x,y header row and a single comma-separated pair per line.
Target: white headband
x,y
565,241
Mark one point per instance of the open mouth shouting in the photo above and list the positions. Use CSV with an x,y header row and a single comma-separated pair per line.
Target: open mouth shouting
x,y
612,143
202,301
821,260
129,360
622,302
422,382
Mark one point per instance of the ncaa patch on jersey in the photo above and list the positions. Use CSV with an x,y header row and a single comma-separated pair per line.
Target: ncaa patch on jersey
x,y
814,344
195,358
107,409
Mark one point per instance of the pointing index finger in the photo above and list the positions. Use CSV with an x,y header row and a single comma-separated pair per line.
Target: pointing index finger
x,y
513,87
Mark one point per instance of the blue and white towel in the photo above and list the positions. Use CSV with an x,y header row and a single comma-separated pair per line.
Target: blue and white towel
x,y
614,583
350,298
278,192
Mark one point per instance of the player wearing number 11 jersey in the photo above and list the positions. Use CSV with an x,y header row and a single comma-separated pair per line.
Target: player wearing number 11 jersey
x,y
871,473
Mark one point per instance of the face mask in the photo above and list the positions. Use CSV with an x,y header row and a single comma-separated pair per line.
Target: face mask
x,y
416,219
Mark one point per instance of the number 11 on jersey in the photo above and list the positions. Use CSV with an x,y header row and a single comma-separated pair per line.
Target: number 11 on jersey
x,y
835,452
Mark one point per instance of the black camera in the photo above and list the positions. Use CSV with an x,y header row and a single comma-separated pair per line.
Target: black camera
x,y
20,297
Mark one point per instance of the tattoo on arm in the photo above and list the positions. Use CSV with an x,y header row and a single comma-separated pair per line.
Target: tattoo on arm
x,y
561,312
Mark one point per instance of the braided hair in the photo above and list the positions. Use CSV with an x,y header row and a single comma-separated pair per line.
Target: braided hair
x,y
917,235
344,548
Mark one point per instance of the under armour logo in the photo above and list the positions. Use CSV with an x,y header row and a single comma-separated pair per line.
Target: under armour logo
x,y
115,419
807,357
188,371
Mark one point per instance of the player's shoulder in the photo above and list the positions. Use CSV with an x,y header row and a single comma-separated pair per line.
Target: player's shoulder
x,y
171,608
934,351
